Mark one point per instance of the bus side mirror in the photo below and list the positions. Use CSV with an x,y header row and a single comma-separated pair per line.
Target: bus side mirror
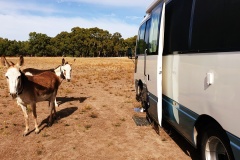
x,y
129,52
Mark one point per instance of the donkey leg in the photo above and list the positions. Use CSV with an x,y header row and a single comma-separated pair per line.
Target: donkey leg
x,y
54,112
35,117
56,105
24,109
52,108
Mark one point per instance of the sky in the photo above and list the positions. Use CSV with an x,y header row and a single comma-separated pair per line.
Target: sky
x,y
20,17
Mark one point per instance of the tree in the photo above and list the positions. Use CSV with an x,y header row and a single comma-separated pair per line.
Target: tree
x,y
23,48
80,42
38,43
3,46
117,43
130,43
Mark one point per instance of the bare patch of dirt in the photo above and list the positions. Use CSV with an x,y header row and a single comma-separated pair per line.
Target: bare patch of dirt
x,y
94,118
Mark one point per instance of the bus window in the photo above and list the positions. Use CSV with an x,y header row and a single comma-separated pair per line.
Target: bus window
x,y
146,38
212,33
140,42
177,23
154,31
208,28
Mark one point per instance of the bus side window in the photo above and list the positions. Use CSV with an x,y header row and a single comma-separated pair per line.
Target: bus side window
x,y
208,27
217,28
154,30
146,38
177,24
140,41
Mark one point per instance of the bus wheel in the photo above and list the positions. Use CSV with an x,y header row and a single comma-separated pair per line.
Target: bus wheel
x,y
215,145
138,93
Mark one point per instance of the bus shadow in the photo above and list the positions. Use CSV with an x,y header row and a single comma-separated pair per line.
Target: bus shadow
x,y
186,147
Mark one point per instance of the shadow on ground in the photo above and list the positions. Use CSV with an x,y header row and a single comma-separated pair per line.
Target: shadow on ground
x,y
61,100
59,115
186,147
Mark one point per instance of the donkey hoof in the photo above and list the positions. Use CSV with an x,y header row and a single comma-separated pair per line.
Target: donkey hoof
x,y
25,133
36,131
49,124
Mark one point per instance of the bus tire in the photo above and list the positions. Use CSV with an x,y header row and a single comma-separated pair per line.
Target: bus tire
x,y
215,144
139,89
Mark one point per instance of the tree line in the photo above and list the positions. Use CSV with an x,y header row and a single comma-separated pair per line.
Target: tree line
x,y
80,42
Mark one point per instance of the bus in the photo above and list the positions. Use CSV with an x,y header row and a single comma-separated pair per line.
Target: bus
x,y
187,72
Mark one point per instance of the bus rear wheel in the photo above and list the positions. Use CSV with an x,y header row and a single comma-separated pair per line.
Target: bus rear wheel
x,y
139,89
215,145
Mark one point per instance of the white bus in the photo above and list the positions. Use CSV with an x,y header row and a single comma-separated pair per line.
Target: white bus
x,y
187,72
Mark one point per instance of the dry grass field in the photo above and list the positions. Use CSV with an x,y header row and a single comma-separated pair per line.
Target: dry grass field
x,y
94,118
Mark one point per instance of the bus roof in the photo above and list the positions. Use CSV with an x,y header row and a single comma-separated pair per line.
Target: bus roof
x,y
152,5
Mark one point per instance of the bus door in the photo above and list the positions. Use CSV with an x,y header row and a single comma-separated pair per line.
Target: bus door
x,y
153,61
141,52
146,51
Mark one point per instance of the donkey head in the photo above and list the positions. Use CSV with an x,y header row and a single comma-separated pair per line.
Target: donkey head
x,y
67,69
13,76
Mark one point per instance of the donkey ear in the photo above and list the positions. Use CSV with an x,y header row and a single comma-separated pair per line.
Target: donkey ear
x,y
21,61
63,61
4,61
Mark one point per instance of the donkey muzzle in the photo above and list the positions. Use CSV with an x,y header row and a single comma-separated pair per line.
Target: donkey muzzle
x,y
14,95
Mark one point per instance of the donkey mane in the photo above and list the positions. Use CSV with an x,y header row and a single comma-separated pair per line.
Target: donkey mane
x,y
34,71
57,67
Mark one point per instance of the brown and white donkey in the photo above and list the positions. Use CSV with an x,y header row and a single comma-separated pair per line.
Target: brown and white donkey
x,y
63,71
28,90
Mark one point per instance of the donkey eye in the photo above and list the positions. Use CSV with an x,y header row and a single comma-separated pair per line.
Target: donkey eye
x,y
7,77
18,77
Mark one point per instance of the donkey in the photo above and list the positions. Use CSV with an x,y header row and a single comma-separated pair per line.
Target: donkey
x,y
62,71
28,90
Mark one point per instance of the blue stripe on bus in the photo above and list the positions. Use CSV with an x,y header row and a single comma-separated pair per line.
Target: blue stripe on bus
x,y
181,108
187,114
154,98
235,144
187,120
180,117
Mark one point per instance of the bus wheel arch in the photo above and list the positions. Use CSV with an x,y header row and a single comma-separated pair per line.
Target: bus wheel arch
x,y
211,139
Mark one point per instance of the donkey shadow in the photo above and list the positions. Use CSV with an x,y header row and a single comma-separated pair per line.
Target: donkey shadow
x,y
59,115
62,100
62,113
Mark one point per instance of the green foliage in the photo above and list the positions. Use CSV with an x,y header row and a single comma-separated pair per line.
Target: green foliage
x,y
80,42
39,44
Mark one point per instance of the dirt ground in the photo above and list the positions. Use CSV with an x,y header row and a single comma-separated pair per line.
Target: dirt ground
x,y
94,118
